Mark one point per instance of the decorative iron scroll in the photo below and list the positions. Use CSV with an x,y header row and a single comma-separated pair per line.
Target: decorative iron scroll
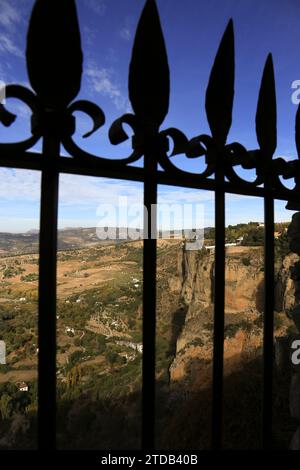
x,y
54,63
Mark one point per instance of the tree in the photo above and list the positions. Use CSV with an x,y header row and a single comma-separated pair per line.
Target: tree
x,y
282,247
112,357
73,376
5,408
254,237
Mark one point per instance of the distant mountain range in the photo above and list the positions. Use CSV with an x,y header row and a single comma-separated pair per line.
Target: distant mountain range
x,y
28,242
72,238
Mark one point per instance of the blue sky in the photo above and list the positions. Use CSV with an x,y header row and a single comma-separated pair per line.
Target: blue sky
x,y
192,32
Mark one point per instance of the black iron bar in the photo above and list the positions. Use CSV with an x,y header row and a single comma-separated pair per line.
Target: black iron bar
x,y
47,299
267,410
219,305
149,304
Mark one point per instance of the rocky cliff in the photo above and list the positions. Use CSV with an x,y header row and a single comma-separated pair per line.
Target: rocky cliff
x,y
244,286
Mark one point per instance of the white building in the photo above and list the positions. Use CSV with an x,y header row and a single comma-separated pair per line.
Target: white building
x,y
70,330
22,386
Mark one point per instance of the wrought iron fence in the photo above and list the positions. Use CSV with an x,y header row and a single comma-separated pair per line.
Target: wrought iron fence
x,y
54,63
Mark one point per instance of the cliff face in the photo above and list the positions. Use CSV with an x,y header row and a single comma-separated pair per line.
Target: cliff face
x,y
244,279
284,287
244,275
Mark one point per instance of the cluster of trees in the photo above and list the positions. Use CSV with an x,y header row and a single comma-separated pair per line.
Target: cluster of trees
x,y
11,271
233,232
12,401
108,406
92,343
253,235
18,329
113,358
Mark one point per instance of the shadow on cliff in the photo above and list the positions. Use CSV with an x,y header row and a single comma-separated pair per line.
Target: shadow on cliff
x,y
178,322
259,296
183,413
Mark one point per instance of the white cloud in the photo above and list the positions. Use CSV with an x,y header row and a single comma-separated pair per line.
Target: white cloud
x,y
9,14
19,185
97,6
89,35
80,196
7,45
10,17
125,33
3,74
20,110
171,195
94,191
24,185
101,81
14,224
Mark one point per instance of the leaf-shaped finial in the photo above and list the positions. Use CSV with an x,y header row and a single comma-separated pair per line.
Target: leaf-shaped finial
x,y
297,131
149,78
220,90
54,56
266,127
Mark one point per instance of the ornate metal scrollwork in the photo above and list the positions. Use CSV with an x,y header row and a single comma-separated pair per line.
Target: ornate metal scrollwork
x,y
54,62
6,118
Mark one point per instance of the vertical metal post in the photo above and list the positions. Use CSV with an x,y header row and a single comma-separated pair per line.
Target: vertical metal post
x,y
268,320
47,296
219,305
149,302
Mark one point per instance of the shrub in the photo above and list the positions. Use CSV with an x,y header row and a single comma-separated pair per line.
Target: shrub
x,y
30,277
246,261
